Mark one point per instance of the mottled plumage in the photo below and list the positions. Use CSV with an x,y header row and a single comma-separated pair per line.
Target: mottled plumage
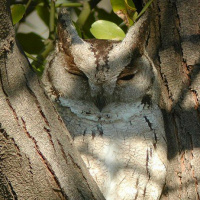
x,y
107,94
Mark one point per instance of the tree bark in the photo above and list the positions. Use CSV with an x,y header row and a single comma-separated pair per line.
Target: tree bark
x,y
174,45
37,156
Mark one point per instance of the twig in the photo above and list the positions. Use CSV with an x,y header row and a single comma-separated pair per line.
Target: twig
x,y
52,20
69,5
84,14
27,5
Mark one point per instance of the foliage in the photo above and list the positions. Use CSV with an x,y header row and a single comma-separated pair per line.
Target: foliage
x,y
91,22
18,12
103,29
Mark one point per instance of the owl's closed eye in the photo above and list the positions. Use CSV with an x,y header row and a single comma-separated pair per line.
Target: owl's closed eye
x,y
101,88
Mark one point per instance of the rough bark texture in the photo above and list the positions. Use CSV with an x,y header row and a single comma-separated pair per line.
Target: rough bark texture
x,y
174,43
37,157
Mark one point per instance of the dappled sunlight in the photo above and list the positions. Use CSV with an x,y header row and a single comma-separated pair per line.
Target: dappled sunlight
x,y
121,151
115,122
108,96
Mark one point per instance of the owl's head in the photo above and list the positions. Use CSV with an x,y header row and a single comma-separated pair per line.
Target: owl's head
x,y
101,72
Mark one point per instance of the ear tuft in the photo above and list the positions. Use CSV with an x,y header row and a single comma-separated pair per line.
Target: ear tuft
x,y
67,33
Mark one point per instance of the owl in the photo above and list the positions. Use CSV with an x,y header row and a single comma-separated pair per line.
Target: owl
x,y
107,93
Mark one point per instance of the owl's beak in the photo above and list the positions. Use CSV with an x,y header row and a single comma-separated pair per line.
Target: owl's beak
x,y
100,102
101,93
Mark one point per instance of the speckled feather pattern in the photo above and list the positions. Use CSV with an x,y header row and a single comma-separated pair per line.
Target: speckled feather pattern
x,y
119,134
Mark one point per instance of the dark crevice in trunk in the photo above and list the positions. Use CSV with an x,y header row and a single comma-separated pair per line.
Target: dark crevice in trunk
x,y
44,160
77,166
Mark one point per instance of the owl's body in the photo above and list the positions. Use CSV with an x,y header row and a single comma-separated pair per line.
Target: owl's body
x,y
109,105
122,151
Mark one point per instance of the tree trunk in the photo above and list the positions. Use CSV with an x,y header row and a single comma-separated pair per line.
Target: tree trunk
x,y
37,157
174,44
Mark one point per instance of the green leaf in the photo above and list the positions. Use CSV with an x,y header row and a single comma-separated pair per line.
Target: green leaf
x,y
135,16
17,12
130,5
101,14
43,13
118,5
103,29
31,42
124,9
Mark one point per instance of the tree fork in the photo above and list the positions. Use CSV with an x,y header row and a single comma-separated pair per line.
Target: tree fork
x,y
37,158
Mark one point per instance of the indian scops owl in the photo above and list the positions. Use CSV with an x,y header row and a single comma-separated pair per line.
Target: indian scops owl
x,y
107,94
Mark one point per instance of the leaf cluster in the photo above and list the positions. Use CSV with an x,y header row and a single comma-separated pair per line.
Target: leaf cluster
x,y
89,20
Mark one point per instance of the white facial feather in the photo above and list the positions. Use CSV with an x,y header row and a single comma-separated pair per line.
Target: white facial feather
x,y
109,103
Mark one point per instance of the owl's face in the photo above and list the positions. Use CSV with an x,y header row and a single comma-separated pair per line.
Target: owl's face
x,y
99,83
106,95
99,76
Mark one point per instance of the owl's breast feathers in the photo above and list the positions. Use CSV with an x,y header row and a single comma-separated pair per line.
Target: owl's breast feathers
x,y
124,146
